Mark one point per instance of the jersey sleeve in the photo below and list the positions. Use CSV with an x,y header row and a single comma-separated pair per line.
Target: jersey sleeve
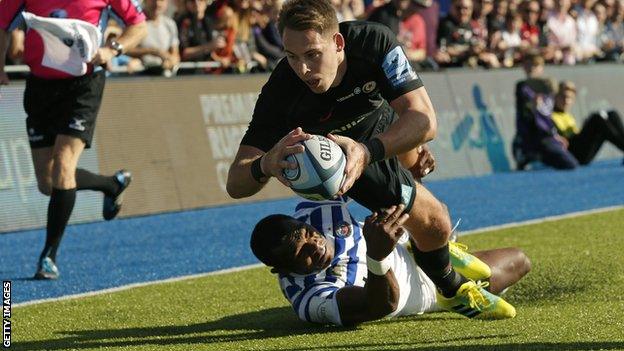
x,y
265,128
397,74
318,304
129,11
10,13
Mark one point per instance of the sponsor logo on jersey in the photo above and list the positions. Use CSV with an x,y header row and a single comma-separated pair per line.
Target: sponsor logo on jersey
x,y
34,137
342,230
397,68
349,125
366,88
77,124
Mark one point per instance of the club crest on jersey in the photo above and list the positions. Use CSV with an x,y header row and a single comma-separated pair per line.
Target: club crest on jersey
x,y
369,87
342,230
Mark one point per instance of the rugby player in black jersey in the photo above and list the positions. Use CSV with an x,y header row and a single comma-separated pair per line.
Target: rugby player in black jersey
x,y
354,83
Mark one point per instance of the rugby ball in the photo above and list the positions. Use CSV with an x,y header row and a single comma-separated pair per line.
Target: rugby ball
x,y
320,169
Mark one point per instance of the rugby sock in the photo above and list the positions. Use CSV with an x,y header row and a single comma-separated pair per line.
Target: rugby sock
x,y
59,209
86,180
437,265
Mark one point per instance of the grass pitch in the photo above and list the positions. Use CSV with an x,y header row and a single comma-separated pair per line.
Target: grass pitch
x,y
572,300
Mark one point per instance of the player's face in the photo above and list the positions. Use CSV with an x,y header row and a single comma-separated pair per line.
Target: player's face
x,y
314,57
306,252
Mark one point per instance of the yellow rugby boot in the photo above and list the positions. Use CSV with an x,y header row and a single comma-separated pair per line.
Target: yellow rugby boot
x,y
468,265
473,301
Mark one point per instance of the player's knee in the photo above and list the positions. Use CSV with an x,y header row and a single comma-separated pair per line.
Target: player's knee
x,y
520,263
525,263
439,223
45,186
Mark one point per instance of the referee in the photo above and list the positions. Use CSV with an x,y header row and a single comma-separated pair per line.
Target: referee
x,y
62,108
352,81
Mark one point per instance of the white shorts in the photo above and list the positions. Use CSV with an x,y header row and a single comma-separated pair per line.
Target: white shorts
x,y
417,293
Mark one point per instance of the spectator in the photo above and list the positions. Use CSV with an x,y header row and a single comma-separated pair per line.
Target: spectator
x,y
496,19
263,35
402,17
225,35
531,31
456,38
348,10
159,50
599,127
536,136
610,6
562,34
587,29
614,33
511,44
479,23
245,48
195,32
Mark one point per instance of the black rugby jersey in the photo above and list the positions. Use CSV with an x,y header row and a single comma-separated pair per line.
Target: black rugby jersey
x,y
377,72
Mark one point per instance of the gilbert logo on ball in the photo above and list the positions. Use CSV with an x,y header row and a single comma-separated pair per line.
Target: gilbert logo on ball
x,y
320,169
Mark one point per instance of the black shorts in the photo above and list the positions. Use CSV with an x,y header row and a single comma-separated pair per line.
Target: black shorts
x,y
62,106
384,183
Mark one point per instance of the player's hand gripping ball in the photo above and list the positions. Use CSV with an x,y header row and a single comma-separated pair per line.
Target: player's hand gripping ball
x,y
320,169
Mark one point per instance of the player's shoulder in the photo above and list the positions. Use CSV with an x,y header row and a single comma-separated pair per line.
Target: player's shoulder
x,y
283,80
367,36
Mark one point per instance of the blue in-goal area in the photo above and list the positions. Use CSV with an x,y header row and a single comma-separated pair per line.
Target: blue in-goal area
x,y
103,255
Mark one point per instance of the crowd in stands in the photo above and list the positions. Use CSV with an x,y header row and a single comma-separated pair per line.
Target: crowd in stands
x,y
241,35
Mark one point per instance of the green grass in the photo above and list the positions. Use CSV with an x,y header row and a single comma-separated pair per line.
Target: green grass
x,y
572,300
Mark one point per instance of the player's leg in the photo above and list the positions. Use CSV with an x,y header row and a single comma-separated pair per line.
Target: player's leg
x,y
42,162
508,266
430,227
553,154
617,123
65,155
87,93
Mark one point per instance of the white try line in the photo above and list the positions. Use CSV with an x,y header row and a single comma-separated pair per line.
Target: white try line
x,y
244,268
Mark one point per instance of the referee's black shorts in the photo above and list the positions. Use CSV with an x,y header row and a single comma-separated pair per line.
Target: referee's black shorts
x,y
384,183
62,106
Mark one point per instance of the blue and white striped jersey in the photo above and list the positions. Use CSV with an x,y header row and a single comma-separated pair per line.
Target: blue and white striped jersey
x,y
313,296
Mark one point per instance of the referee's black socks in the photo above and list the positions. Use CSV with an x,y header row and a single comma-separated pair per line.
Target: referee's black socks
x,y
437,265
86,180
59,210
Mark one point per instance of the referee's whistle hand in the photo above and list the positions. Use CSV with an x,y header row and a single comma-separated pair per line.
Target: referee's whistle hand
x,y
357,159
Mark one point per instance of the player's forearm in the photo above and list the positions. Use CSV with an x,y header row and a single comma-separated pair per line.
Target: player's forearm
x,y
416,125
382,294
139,52
377,299
240,182
132,36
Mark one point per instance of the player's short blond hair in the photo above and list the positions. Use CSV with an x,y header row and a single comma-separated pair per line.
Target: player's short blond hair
x,y
300,15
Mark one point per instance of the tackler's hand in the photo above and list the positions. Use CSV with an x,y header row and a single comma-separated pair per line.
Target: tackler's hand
x,y
382,231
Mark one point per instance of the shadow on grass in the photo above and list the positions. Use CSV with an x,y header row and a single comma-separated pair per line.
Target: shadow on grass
x,y
275,323
258,325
